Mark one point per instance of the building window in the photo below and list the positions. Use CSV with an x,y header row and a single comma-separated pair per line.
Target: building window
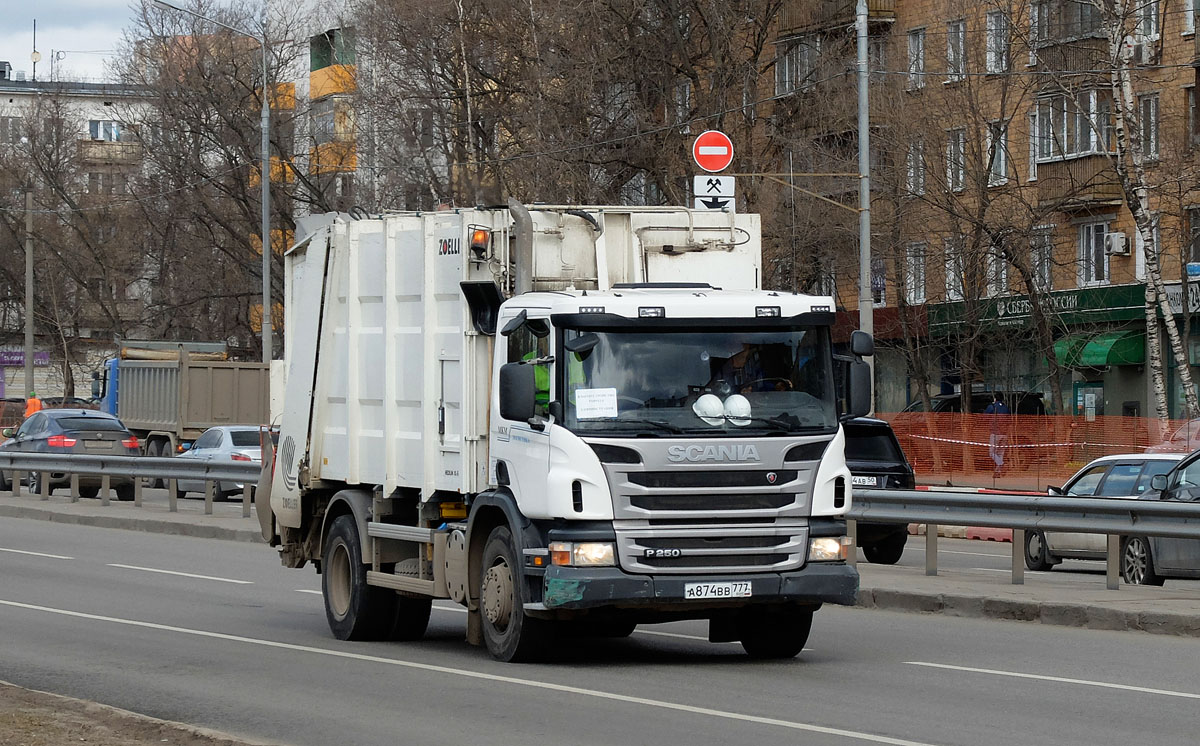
x,y
1039,28
105,182
1190,135
1033,145
878,283
956,146
953,248
334,47
997,271
1042,258
916,59
915,167
12,129
997,150
1093,261
683,105
1139,249
1147,16
1079,18
956,50
914,273
1189,16
877,57
796,63
1148,124
104,129
1072,126
997,42
1193,248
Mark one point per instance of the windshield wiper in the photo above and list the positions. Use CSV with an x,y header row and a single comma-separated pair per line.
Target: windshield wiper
x,y
776,422
659,424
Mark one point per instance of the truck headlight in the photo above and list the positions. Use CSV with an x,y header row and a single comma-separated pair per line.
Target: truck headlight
x,y
828,548
582,554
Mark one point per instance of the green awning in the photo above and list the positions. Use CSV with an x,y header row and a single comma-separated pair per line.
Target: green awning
x,y
1114,348
1067,349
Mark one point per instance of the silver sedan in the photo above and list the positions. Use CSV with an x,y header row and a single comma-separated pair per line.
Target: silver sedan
x,y
222,443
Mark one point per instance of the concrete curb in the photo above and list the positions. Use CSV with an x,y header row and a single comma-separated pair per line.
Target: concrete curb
x,y
134,523
1062,614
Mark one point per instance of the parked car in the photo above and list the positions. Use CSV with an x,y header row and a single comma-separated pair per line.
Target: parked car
x,y
64,431
876,461
1027,402
1127,476
1152,559
1185,439
222,443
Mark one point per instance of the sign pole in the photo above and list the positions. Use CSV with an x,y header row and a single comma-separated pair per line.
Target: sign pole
x,y
866,319
28,291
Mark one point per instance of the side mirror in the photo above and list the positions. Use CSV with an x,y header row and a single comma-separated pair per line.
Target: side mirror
x,y
518,392
186,447
1054,491
7,432
859,403
1158,482
862,344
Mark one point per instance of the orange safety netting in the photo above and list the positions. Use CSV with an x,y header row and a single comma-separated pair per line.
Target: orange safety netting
x,y
1034,451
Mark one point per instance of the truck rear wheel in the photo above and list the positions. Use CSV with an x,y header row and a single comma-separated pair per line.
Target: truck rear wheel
x,y
355,610
774,631
509,634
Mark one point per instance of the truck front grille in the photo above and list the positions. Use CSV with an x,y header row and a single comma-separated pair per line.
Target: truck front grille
x,y
722,501
727,549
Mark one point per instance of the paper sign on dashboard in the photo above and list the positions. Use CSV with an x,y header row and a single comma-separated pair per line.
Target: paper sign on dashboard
x,y
591,404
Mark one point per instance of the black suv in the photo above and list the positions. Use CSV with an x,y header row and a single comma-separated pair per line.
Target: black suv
x,y
876,461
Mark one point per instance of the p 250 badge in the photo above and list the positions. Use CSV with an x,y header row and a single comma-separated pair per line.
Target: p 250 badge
x,y
662,553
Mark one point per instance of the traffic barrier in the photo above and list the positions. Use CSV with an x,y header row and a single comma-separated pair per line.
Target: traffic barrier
x,y
138,468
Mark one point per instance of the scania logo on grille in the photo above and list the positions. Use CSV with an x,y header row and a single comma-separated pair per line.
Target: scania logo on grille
x,y
771,477
712,453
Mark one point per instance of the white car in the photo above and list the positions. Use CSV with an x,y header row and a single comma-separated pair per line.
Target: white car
x,y
222,443
1122,476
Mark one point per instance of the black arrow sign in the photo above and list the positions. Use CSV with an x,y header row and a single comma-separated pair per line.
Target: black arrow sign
x,y
714,203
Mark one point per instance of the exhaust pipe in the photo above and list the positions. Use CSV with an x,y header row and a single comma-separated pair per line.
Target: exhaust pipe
x,y
523,232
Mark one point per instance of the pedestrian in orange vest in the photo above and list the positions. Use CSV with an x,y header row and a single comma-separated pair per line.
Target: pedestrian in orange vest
x,y
32,404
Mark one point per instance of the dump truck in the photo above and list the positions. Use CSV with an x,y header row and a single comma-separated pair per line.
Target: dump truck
x,y
169,393
571,420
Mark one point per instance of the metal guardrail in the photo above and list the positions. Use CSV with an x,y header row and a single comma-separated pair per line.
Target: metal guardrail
x,y
1113,516
136,468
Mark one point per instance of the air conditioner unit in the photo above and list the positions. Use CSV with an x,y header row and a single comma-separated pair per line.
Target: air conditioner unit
x,y
1141,49
1115,244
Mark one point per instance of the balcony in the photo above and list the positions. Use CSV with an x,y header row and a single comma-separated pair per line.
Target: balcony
x,y
1078,183
103,152
332,158
1084,56
809,15
331,80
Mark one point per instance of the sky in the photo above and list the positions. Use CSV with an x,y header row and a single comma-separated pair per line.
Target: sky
x,y
77,28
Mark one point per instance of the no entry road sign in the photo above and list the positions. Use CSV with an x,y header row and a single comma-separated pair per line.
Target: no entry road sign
x,y
713,151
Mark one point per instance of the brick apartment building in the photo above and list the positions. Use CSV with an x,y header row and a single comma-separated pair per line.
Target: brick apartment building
x,y
994,188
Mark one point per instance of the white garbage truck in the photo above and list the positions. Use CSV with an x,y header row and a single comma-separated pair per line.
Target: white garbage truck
x,y
570,420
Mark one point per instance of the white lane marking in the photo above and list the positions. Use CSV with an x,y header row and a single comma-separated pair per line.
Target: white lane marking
x,y
1059,680
37,554
184,574
479,675
305,590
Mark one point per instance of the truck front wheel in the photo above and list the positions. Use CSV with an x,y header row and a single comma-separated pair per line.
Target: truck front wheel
x,y
774,631
510,635
355,610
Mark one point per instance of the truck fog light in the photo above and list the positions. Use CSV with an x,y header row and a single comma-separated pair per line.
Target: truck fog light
x,y
583,554
828,548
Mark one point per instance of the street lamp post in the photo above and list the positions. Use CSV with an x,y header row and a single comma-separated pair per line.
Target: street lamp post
x,y
28,289
264,177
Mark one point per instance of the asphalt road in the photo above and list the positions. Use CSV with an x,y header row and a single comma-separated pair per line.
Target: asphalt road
x,y
217,634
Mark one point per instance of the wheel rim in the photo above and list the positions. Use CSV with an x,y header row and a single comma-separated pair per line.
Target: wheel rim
x,y
497,595
1036,550
338,580
1135,561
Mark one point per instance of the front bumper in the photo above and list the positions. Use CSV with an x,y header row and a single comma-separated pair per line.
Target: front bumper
x,y
570,588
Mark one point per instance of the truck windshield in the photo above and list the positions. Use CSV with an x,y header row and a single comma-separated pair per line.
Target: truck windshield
x,y
723,382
